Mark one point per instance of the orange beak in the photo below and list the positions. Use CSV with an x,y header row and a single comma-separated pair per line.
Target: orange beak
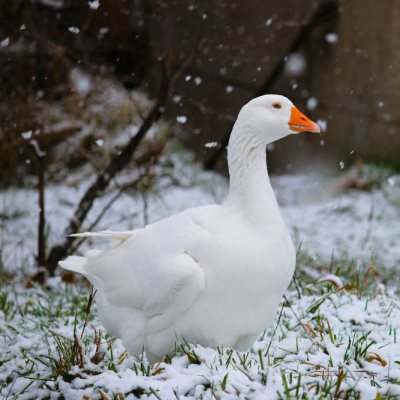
x,y
300,123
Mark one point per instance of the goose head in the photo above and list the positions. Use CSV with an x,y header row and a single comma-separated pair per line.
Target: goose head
x,y
272,117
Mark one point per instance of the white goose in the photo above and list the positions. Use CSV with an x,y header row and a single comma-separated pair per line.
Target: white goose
x,y
215,274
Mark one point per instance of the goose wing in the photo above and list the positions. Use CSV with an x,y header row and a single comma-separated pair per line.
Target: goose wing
x,y
153,271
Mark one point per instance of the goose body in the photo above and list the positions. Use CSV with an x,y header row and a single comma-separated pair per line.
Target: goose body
x,y
215,274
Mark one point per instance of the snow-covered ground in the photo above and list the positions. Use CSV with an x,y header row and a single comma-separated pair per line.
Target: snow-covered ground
x,y
354,224
330,341
336,333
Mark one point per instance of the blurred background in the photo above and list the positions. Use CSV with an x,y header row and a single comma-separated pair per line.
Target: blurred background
x,y
337,60
115,114
80,78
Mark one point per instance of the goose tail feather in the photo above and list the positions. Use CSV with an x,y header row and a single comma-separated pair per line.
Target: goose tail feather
x,y
74,264
122,236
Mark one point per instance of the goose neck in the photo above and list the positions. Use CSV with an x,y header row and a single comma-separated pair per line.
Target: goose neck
x,y
250,187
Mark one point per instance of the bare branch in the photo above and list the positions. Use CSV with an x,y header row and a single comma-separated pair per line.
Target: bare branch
x,y
41,240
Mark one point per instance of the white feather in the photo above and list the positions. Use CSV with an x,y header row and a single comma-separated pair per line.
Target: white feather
x,y
75,264
123,235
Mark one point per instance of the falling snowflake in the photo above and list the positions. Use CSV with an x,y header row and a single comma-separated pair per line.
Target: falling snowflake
x,y
74,29
5,42
94,4
323,124
181,119
268,22
27,134
331,37
295,64
312,103
211,145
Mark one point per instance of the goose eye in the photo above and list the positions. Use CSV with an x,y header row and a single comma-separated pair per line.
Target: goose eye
x,y
277,105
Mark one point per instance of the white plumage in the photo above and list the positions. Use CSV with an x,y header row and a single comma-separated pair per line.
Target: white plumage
x,y
215,274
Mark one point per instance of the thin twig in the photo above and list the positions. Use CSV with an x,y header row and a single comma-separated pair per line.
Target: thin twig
x,y
41,240
88,308
273,333
297,285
